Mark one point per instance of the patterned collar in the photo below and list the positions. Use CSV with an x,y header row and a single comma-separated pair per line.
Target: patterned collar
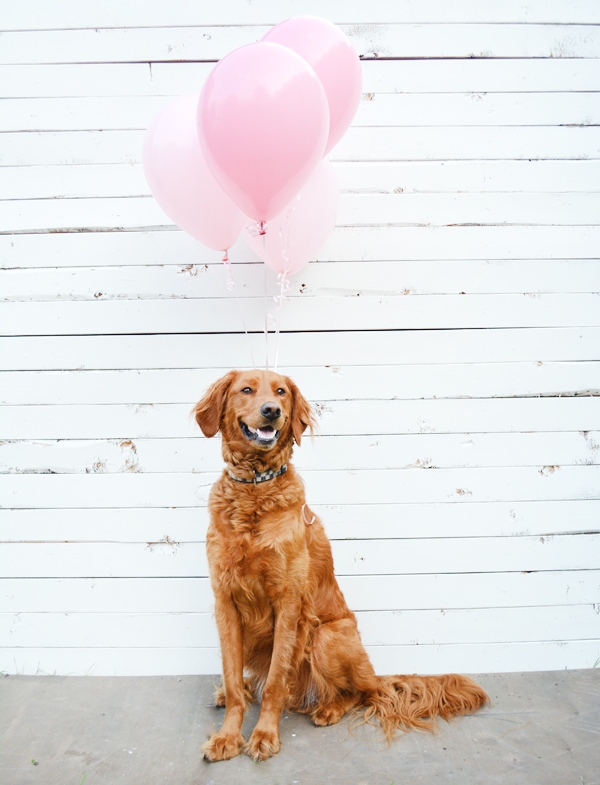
x,y
270,474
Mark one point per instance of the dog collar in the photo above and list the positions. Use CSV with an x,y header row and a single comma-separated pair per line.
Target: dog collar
x,y
260,476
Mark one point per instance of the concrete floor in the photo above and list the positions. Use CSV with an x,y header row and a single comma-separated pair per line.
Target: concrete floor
x,y
543,729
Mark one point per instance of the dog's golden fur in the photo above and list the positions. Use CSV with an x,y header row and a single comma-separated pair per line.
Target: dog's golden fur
x,y
287,636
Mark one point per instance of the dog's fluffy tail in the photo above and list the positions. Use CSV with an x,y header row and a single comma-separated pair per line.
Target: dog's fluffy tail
x,y
414,702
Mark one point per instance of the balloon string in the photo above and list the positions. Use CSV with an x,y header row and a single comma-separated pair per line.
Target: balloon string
x,y
267,314
233,288
284,288
259,229
283,280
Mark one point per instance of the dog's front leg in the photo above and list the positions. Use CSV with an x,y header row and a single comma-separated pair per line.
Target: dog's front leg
x,y
228,742
264,740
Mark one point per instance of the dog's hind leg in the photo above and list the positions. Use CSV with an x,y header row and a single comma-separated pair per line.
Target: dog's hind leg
x,y
340,667
344,679
340,671
333,712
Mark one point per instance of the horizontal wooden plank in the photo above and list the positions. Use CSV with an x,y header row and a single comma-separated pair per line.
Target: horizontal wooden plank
x,y
144,525
425,451
376,109
334,417
109,661
461,242
420,347
363,593
488,658
355,210
396,177
74,147
465,658
386,486
51,148
451,176
366,312
457,243
377,628
343,521
203,42
121,629
134,595
66,181
465,143
470,590
413,109
126,213
107,560
369,558
473,75
37,15
352,557
68,249
509,625
156,282
475,380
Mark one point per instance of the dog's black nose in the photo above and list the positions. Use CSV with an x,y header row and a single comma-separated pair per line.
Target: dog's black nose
x,y
270,411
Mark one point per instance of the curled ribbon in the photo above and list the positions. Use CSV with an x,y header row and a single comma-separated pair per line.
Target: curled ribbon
x,y
230,278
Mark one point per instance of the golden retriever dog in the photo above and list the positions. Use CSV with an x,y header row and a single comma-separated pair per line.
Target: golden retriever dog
x,y
288,639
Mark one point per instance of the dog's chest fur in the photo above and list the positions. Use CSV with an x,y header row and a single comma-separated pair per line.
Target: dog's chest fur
x,y
255,544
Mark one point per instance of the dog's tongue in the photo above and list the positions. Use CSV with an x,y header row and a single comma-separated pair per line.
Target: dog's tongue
x,y
266,432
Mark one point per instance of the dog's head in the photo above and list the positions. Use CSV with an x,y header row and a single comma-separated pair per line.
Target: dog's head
x,y
255,411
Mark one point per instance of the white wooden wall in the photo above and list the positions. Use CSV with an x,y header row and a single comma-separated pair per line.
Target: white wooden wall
x,y
448,337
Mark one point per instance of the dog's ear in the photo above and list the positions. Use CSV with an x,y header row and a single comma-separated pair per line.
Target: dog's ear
x,y
302,416
209,410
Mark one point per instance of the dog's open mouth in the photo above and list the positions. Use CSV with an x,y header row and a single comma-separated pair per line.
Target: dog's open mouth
x,y
265,436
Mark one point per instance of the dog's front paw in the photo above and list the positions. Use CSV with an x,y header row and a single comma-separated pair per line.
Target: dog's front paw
x,y
263,744
222,746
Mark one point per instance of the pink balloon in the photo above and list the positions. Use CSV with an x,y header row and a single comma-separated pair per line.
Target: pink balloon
x,y
262,123
181,180
295,236
334,60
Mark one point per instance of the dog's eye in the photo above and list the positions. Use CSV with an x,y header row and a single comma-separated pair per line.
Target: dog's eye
x,y
247,390
280,391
